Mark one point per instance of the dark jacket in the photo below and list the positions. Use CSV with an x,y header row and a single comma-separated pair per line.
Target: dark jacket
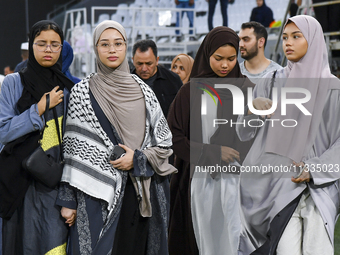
x,y
263,15
21,66
166,86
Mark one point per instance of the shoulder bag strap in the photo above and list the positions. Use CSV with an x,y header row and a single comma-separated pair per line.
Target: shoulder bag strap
x,y
57,127
272,84
47,107
271,91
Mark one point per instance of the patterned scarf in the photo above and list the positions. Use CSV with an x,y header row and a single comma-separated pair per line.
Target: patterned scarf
x,y
87,147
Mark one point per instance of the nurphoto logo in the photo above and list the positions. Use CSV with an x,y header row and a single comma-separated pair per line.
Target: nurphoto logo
x,y
204,98
239,107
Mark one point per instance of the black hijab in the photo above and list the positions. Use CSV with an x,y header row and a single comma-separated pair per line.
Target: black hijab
x,y
225,135
36,79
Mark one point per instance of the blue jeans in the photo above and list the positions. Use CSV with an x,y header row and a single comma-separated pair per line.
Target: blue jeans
x,y
224,7
189,14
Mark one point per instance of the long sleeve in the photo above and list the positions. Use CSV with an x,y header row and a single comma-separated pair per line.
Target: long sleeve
x,y
67,196
141,166
252,16
183,145
325,166
179,123
268,17
13,124
246,132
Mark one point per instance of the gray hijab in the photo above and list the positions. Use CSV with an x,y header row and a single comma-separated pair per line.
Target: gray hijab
x,y
296,142
118,94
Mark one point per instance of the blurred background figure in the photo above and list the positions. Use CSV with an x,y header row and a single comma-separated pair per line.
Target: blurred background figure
x,y
24,56
67,58
8,69
2,77
224,11
190,15
293,8
262,13
328,16
182,65
253,39
162,81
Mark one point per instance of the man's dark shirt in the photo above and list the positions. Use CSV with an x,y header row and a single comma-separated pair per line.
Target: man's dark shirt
x,y
165,86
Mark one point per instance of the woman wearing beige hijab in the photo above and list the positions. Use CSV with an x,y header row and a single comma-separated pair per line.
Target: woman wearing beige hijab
x,y
182,65
117,206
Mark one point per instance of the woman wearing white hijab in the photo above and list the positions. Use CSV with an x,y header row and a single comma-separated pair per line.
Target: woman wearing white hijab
x,y
115,206
282,214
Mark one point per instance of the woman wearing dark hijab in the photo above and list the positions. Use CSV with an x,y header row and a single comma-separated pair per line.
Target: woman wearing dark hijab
x,y
211,198
32,222
262,13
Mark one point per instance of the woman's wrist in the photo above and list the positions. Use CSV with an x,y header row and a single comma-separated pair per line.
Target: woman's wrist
x,y
41,108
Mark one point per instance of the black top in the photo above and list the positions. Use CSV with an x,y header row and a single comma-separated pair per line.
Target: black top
x,y
151,80
263,15
165,86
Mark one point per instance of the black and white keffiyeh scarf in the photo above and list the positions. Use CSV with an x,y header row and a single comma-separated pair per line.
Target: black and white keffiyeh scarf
x,y
87,147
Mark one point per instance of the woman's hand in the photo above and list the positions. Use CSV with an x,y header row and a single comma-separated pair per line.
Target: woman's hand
x,y
304,177
229,154
261,103
126,162
69,214
56,97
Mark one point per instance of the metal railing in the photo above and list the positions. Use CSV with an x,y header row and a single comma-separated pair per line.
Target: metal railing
x,y
139,23
61,9
309,7
275,55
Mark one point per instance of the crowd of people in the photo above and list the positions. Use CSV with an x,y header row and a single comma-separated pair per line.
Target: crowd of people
x,y
154,159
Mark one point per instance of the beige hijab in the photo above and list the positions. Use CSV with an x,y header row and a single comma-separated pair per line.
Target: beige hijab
x,y
122,101
118,94
187,63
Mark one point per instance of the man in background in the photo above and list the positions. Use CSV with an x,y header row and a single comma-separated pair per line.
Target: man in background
x,y
224,11
24,56
8,70
163,82
190,14
253,39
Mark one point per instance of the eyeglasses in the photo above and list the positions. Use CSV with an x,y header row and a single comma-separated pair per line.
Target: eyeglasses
x,y
42,46
105,47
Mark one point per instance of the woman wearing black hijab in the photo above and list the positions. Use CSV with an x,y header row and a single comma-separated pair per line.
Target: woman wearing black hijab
x,y
262,13
32,222
197,143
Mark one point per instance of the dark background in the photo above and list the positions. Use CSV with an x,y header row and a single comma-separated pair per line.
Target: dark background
x,y
13,25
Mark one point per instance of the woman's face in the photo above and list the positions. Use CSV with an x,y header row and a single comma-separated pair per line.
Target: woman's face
x,y
259,3
111,48
294,44
179,69
223,60
47,48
